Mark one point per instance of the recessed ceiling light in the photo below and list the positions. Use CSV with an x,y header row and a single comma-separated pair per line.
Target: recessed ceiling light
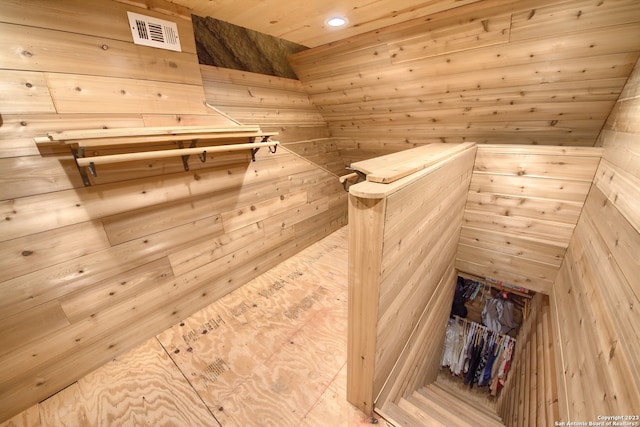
x,y
337,21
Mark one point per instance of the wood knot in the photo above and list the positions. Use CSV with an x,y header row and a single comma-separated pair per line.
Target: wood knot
x,y
27,253
613,349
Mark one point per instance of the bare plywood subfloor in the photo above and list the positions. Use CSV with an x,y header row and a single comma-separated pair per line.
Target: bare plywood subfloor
x,y
272,353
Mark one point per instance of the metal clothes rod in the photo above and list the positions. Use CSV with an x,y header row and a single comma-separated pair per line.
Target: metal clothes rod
x,y
483,327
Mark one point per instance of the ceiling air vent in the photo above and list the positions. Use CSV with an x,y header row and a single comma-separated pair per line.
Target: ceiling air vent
x,y
154,32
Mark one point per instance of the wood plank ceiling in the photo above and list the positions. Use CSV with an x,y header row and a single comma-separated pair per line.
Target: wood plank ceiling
x,y
406,73
304,22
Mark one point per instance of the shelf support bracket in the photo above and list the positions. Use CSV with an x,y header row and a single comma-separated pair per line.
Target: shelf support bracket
x,y
272,150
78,152
185,159
358,175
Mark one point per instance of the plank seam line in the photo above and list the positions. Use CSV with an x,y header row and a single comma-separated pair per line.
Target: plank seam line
x,y
324,390
188,382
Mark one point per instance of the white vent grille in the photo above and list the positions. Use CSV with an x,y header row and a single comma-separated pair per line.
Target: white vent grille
x,y
154,32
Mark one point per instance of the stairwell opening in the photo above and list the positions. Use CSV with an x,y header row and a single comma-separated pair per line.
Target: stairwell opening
x,y
523,394
486,315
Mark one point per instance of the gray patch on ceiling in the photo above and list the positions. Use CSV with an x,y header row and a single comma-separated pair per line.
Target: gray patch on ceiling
x,y
226,45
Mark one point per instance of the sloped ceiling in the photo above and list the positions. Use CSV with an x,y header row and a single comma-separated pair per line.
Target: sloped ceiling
x,y
304,22
404,73
513,71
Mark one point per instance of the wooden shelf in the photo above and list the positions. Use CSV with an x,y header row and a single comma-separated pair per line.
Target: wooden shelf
x,y
236,138
516,290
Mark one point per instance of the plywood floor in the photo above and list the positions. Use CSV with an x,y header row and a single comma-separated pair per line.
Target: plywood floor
x,y
272,353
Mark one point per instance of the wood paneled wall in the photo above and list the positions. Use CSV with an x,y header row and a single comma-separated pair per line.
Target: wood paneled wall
x,y
530,393
596,296
278,105
89,272
515,72
401,275
522,207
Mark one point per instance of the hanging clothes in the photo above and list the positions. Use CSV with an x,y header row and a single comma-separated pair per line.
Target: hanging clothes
x,y
479,355
497,315
457,307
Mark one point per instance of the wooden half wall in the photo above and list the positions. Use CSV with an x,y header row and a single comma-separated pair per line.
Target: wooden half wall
x,y
402,243
87,273
596,297
522,207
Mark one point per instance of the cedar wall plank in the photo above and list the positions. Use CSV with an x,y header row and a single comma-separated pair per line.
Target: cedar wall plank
x,y
88,301
555,232
562,70
156,120
419,363
530,198
74,93
470,35
598,279
39,321
367,87
398,318
621,297
65,52
278,104
256,212
126,171
523,206
549,166
323,152
521,185
24,92
17,131
38,213
200,254
40,250
53,282
531,249
538,22
27,176
109,262
100,17
219,94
